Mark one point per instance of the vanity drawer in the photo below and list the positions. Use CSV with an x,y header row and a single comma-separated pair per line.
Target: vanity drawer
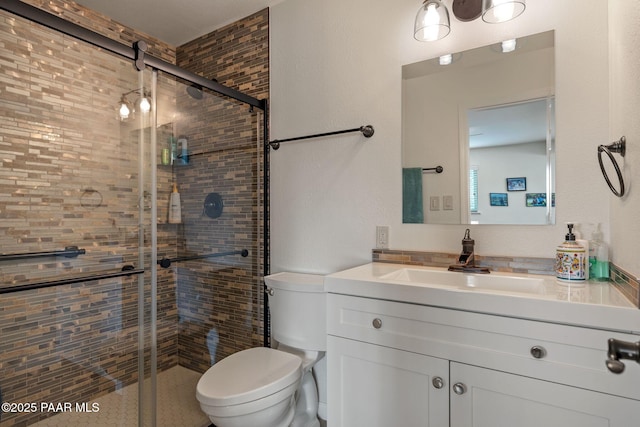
x,y
553,352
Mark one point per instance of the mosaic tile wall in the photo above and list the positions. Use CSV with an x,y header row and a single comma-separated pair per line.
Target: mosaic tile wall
x,y
69,176
225,294
626,283
442,259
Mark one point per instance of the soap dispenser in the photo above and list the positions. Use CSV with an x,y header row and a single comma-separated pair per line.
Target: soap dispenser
x,y
571,259
598,257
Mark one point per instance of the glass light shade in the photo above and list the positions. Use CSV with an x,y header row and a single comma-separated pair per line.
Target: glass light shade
x,y
145,105
432,21
124,110
497,11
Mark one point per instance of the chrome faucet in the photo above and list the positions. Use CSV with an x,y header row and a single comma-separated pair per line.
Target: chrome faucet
x,y
466,260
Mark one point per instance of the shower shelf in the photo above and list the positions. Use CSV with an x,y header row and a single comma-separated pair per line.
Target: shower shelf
x,y
166,262
127,270
68,252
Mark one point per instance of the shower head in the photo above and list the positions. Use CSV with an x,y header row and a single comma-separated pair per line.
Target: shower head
x,y
195,91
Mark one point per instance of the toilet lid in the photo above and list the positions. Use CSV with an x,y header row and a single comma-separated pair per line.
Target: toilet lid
x,y
248,375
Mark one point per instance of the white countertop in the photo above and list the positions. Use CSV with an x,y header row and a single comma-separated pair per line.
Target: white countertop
x,y
592,304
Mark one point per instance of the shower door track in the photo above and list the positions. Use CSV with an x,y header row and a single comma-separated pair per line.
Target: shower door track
x,y
54,22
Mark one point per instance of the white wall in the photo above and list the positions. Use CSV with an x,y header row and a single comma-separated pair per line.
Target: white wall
x,y
336,64
495,164
625,105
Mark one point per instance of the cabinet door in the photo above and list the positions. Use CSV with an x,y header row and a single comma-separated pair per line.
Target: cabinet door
x,y
495,399
375,386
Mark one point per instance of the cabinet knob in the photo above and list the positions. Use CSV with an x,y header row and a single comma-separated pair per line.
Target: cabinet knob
x,y
269,291
437,382
459,388
538,352
377,323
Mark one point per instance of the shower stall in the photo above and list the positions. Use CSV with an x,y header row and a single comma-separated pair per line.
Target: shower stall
x,y
111,304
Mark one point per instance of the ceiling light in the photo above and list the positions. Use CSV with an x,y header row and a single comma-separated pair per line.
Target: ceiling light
x,y
508,46
432,21
446,59
497,11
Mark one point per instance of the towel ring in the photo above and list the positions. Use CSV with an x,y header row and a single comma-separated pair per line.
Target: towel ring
x,y
615,147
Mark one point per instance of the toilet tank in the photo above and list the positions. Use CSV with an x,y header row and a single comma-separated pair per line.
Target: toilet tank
x,y
297,305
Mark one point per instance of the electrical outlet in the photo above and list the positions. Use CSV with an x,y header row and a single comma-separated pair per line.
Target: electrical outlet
x,y
382,237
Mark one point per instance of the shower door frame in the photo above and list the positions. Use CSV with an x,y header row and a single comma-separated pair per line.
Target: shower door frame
x,y
140,59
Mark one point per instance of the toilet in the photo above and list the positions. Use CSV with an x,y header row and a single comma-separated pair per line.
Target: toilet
x,y
270,387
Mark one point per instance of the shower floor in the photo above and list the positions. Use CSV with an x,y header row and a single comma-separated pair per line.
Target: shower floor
x,y
177,405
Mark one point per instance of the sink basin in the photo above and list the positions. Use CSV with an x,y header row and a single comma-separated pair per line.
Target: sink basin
x,y
481,282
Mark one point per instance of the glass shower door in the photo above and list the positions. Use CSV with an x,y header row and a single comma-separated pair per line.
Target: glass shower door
x,y
209,287
74,230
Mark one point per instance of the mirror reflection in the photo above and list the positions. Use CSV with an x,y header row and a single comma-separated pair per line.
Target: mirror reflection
x,y
479,136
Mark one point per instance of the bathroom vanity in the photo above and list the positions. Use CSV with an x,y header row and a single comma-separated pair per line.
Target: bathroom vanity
x,y
421,346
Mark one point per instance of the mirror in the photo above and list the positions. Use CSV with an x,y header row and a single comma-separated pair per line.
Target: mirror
x,y
478,136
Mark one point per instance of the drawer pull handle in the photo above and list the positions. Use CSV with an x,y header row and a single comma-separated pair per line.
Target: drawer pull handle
x,y
459,388
437,382
377,323
538,352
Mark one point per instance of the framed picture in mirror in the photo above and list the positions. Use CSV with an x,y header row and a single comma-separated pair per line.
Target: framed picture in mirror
x,y
517,184
498,199
536,199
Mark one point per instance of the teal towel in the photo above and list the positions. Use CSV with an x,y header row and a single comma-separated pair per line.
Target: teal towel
x,y
412,211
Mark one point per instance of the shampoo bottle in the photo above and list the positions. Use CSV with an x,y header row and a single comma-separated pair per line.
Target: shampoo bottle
x,y
175,210
571,259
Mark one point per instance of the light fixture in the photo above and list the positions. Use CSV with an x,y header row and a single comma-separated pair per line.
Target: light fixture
x,y
432,21
448,58
508,45
445,59
126,108
497,11
144,104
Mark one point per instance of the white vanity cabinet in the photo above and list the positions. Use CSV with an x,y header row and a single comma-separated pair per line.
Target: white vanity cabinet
x,y
496,399
372,385
402,364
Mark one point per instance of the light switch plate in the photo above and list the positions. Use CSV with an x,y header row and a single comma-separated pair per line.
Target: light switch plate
x,y
447,203
434,203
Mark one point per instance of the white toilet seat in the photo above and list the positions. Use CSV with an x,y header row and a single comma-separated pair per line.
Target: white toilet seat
x,y
248,376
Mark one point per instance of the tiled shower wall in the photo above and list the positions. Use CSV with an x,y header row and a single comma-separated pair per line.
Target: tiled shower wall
x,y
226,295
68,176
76,342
